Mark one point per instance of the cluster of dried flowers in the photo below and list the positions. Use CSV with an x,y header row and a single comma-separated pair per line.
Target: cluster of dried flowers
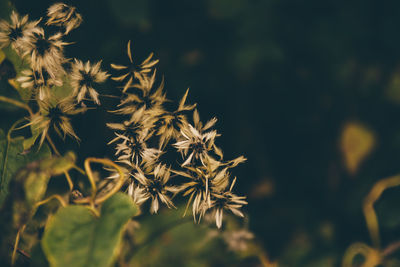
x,y
146,130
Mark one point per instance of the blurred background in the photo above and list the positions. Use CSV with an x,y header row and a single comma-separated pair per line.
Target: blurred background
x,y
308,91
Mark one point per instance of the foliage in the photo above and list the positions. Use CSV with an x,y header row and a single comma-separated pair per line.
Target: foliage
x,y
86,226
309,91
96,242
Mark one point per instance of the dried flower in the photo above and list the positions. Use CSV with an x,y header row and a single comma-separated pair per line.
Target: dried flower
x,y
133,150
228,201
196,143
203,182
133,71
38,82
63,15
170,123
13,33
46,53
84,77
54,114
146,102
154,187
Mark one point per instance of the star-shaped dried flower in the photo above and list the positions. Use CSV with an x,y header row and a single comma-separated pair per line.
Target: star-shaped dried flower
x,y
133,71
227,200
154,185
13,33
55,114
195,142
45,52
84,77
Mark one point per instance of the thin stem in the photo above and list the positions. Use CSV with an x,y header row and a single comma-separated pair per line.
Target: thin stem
x,y
16,103
69,180
372,256
13,127
14,254
89,174
79,169
119,183
52,145
368,207
22,252
390,249
93,200
58,197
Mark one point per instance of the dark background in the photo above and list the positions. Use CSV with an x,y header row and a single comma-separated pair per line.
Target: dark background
x,y
283,78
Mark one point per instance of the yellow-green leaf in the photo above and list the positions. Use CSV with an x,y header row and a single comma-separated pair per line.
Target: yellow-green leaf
x,y
76,237
12,159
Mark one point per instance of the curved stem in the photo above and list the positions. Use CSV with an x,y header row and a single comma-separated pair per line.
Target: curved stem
x,y
13,127
371,255
92,199
58,197
69,180
89,174
79,169
16,103
368,207
119,183
22,229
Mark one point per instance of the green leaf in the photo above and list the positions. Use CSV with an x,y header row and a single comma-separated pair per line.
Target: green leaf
x,y
176,241
63,91
12,159
30,141
75,237
30,185
36,176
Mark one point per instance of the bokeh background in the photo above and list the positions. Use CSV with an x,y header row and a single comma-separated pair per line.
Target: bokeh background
x,y
308,91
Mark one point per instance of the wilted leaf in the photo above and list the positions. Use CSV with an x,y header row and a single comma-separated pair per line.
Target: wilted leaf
x,y
37,174
356,144
31,184
12,159
75,237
